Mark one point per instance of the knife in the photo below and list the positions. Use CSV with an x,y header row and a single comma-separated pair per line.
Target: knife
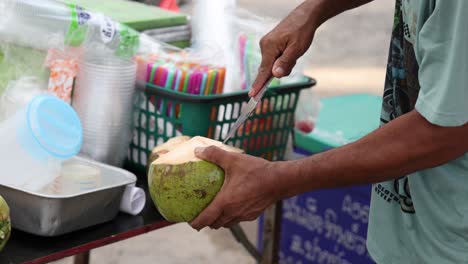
x,y
247,110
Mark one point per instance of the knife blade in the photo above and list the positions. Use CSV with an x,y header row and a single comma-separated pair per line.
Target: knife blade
x,y
247,110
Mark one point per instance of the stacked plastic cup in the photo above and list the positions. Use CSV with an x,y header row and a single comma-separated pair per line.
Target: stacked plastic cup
x,y
35,141
104,97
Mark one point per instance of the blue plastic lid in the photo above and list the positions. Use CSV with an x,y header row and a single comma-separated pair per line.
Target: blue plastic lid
x,y
55,126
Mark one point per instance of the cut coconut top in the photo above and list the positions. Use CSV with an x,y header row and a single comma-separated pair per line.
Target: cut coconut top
x,y
170,144
185,152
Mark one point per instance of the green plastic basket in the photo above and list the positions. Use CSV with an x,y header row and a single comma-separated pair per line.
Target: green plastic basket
x,y
162,114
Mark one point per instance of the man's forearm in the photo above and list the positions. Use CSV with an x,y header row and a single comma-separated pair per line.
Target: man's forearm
x,y
320,11
403,146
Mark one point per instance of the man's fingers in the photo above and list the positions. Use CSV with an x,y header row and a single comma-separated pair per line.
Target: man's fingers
x,y
270,53
213,154
286,62
222,221
232,223
264,73
209,216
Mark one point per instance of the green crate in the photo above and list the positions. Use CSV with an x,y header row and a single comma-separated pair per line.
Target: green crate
x,y
161,114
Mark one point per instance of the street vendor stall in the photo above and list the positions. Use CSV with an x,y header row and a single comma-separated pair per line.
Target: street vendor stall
x,y
83,96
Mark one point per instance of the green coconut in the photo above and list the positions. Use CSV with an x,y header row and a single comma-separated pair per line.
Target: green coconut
x,y
182,185
5,223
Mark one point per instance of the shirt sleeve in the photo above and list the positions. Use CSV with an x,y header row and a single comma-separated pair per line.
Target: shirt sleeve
x,y
442,54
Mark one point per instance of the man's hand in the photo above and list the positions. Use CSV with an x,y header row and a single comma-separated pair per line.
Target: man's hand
x,y
249,188
281,48
292,37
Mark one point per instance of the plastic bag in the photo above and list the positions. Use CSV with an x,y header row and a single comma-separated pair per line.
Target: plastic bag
x,y
307,112
18,94
46,38
16,62
249,29
212,25
190,71
63,70
47,24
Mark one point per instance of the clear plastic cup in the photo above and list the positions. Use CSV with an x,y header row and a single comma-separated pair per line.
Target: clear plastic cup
x,y
104,97
36,140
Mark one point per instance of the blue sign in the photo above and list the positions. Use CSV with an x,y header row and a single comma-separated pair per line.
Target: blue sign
x,y
326,227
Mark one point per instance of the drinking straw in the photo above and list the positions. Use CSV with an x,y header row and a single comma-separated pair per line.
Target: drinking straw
x,y
222,76
169,84
199,77
243,60
182,81
151,70
184,88
164,74
180,88
170,78
209,82
177,83
151,76
157,75
188,77
192,80
217,79
176,76
214,86
247,62
157,80
198,80
186,82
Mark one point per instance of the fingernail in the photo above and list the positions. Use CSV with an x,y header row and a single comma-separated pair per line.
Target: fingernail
x,y
279,71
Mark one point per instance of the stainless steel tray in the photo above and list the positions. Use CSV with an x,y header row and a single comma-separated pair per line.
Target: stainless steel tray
x,y
54,215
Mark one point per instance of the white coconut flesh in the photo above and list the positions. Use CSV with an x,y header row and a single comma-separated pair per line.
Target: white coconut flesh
x,y
170,144
185,152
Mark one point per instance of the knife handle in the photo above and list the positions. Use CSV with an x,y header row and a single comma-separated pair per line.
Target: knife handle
x,y
260,94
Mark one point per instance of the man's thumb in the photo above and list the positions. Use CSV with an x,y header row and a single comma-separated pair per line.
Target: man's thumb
x,y
285,63
212,154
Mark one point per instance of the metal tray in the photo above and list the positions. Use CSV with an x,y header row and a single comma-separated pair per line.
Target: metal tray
x,y
54,215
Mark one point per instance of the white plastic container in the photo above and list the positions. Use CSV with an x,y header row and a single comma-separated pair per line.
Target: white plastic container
x,y
35,141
